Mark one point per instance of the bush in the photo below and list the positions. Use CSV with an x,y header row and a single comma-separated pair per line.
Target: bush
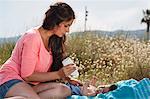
x,y
110,59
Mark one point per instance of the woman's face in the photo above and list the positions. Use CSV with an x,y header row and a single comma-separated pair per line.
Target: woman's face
x,y
63,28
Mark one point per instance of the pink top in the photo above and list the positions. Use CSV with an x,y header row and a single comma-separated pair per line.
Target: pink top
x,y
28,56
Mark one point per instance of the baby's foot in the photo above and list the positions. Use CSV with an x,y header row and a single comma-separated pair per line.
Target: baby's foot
x,y
88,90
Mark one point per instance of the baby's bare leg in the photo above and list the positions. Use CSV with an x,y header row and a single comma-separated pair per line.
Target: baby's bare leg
x,y
93,81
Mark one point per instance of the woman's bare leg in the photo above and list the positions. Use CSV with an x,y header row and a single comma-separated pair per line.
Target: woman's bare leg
x,y
23,90
52,90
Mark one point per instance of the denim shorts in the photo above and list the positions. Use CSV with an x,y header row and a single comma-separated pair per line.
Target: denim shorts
x,y
75,90
4,88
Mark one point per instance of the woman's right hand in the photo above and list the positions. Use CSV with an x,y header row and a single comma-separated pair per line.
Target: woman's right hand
x,y
66,70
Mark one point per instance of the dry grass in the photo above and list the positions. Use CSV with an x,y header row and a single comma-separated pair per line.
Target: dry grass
x,y
5,51
110,59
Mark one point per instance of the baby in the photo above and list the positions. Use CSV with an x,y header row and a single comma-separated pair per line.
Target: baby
x,y
89,89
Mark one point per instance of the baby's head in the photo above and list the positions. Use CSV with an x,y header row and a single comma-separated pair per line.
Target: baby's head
x,y
112,87
106,89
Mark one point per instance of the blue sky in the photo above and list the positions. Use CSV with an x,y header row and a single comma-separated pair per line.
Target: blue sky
x,y
17,16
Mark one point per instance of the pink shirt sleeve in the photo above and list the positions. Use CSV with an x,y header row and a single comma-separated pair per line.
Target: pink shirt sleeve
x,y
29,55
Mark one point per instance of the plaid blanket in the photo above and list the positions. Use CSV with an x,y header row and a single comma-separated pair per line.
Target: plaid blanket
x,y
127,89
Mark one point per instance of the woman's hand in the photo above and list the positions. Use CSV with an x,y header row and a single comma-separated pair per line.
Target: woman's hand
x,y
66,70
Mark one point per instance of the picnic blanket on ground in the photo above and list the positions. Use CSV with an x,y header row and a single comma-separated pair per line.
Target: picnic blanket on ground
x,y
127,89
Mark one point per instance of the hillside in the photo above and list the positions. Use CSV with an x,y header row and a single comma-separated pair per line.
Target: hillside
x,y
131,34
9,39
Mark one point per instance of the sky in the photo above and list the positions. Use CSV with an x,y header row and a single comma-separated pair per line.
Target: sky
x,y
17,16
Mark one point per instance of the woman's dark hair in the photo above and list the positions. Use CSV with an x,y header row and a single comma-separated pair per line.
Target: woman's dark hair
x,y
57,46
57,13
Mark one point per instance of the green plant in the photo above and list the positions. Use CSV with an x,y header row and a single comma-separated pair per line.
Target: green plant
x,y
5,51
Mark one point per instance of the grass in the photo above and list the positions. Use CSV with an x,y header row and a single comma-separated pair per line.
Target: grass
x,y
110,59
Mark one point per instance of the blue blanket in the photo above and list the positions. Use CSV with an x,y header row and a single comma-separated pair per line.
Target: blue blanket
x,y
127,89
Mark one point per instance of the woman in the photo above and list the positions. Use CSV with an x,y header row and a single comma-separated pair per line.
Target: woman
x,y
36,58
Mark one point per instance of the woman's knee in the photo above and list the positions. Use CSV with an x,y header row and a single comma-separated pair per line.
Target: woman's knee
x,y
21,90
